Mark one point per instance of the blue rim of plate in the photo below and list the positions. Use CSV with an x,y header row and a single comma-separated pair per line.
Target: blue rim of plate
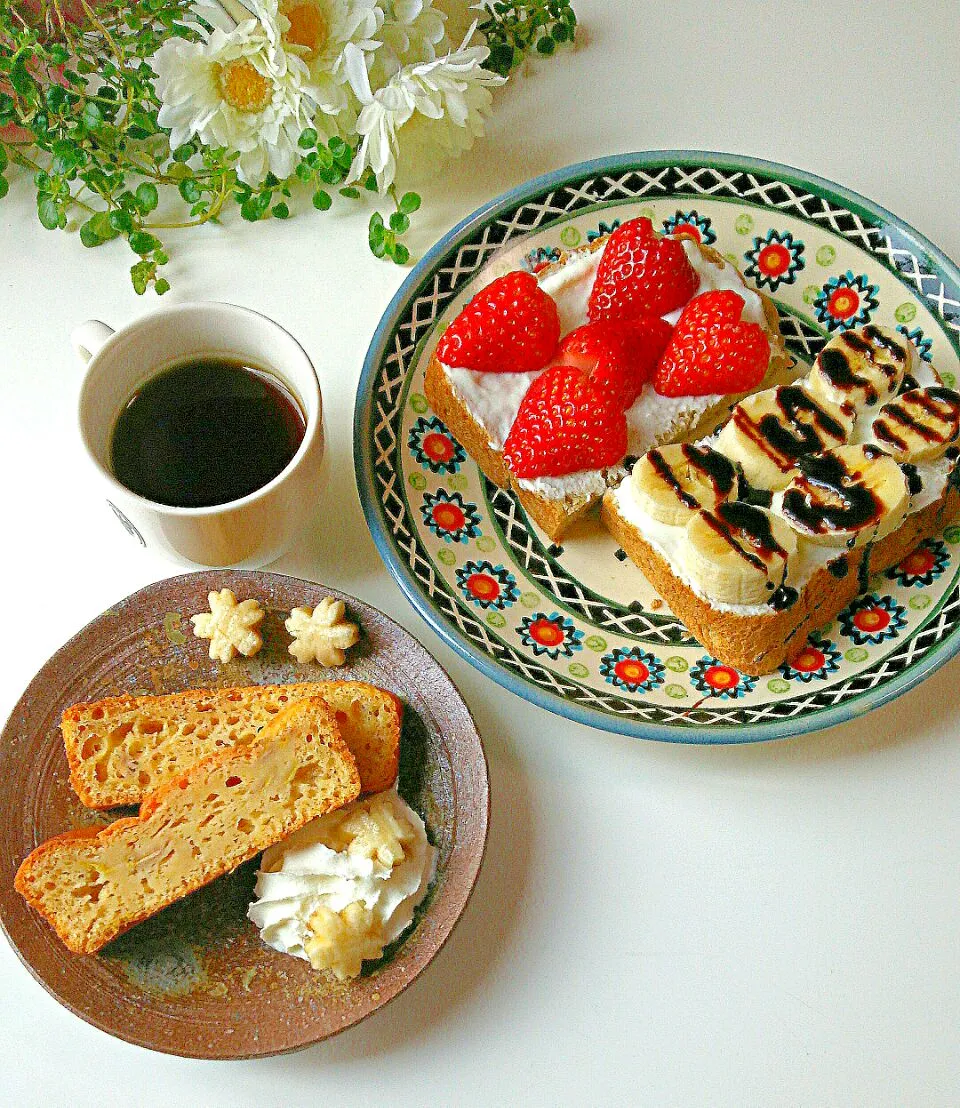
x,y
901,236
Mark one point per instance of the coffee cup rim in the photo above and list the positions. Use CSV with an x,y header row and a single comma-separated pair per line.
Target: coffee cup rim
x,y
313,427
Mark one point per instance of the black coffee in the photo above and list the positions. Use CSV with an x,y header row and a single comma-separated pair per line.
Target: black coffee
x,y
205,432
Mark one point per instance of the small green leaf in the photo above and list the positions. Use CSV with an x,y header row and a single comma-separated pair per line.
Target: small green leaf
x,y
409,203
88,234
161,286
350,193
322,200
147,197
142,243
304,172
4,161
308,139
546,46
140,272
399,223
121,221
4,186
49,213
401,255
189,190
184,153
92,115
336,145
249,210
281,211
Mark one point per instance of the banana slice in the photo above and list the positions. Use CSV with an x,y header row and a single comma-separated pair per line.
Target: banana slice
x,y
770,430
846,497
671,482
919,425
862,368
738,554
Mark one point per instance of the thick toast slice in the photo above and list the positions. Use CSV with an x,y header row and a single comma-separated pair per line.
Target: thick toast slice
x,y
125,747
92,885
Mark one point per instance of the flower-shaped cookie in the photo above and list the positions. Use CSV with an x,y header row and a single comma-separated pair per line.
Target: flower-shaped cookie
x,y
321,633
230,627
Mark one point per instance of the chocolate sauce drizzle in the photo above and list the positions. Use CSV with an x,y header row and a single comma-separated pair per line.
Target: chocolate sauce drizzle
x,y
713,465
938,402
748,532
786,436
826,497
834,361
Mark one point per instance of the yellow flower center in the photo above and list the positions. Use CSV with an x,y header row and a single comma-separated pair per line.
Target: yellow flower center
x,y
308,28
244,87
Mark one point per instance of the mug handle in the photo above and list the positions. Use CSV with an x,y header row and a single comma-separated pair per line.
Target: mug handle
x,y
87,339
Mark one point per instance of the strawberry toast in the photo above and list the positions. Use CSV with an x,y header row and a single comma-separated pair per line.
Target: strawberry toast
x,y
551,382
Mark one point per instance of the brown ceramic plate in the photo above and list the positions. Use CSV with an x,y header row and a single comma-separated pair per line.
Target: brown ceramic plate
x,y
195,980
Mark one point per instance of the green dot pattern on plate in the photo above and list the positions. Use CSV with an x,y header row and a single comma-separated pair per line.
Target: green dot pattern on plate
x,y
826,255
171,627
778,685
676,664
459,483
918,603
496,620
446,556
856,654
675,692
579,670
530,599
596,642
810,293
570,236
486,543
744,224
949,380
952,535
905,313
418,402
417,481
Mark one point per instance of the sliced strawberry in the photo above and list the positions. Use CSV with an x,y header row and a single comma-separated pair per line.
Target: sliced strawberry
x,y
618,355
565,423
712,350
641,274
511,326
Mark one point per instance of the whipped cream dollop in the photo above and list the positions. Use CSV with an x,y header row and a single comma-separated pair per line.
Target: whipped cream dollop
x,y
344,886
493,399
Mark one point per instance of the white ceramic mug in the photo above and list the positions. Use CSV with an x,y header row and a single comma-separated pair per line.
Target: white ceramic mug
x,y
245,533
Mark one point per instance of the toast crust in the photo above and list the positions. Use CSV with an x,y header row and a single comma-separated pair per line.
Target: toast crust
x,y
556,515
758,644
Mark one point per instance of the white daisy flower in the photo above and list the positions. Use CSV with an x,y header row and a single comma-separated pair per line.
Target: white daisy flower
x,y
239,89
425,113
317,31
412,31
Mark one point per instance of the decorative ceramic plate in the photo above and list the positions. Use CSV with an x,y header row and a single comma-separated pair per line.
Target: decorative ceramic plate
x,y
195,979
576,627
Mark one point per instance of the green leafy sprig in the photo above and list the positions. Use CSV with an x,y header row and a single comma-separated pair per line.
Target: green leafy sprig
x,y
80,87
512,30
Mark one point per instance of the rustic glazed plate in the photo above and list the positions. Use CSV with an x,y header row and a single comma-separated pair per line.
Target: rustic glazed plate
x,y
195,980
576,627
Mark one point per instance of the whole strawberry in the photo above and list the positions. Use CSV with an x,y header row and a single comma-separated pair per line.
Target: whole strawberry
x,y
619,356
712,350
511,326
565,423
641,274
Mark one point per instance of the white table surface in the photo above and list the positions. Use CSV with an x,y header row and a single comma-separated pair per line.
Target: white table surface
x,y
654,924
